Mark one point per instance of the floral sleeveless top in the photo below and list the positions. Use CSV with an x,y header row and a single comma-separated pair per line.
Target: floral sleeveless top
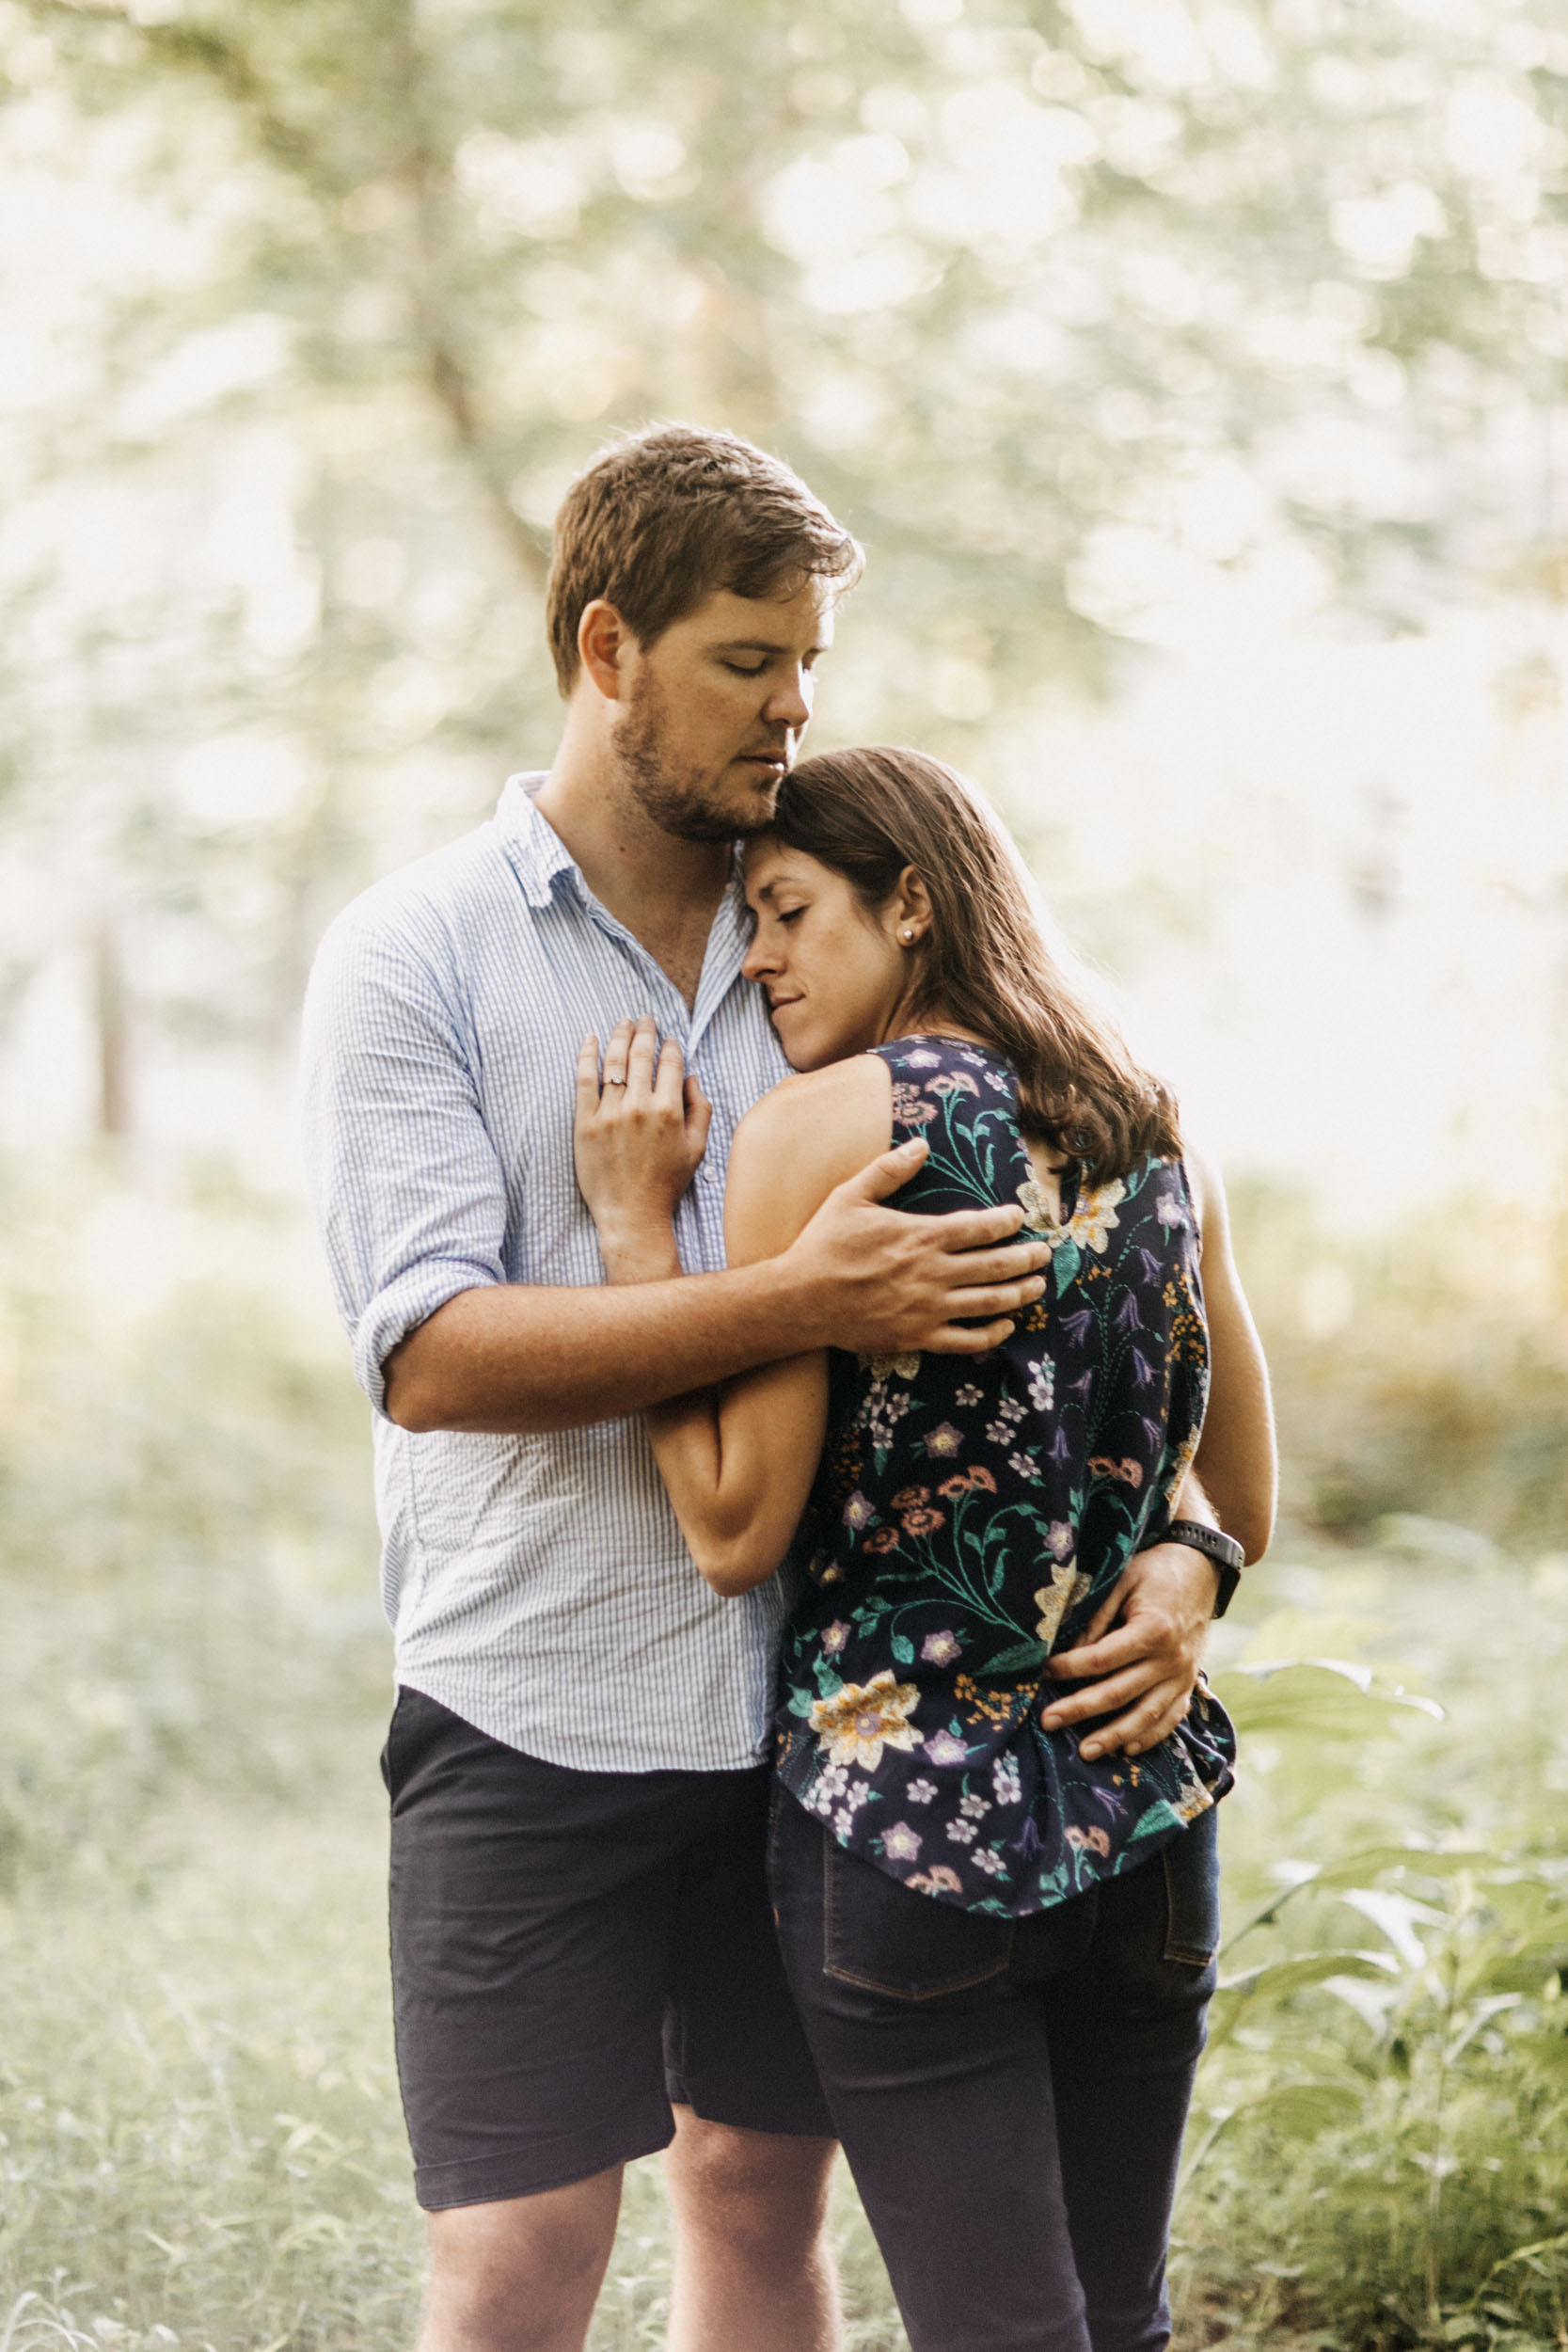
x,y
968,1517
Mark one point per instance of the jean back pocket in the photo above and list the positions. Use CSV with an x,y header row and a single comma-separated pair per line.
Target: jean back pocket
x,y
878,1934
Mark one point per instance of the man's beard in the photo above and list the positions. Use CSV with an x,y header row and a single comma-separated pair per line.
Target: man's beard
x,y
676,801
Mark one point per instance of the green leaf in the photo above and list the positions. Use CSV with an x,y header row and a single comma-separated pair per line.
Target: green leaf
x,y
1020,1660
902,1648
1241,1995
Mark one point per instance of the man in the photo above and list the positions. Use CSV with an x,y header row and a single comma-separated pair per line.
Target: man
x,y
582,1953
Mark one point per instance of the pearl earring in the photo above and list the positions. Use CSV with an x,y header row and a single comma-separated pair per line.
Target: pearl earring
x,y
908,938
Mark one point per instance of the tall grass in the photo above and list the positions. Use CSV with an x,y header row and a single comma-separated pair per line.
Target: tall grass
x,y
200,2139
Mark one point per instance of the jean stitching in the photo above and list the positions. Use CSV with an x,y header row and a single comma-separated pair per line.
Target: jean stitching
x,y
874,1984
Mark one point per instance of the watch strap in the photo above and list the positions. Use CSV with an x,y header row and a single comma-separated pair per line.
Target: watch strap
x,y
1224,1550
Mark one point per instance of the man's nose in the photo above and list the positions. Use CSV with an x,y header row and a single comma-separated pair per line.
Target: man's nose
x,y
790,706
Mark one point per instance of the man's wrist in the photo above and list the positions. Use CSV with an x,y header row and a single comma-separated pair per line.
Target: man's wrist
x,y
1223,1552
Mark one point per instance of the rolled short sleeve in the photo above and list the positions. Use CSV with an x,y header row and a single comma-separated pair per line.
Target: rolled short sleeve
x,y
406,1187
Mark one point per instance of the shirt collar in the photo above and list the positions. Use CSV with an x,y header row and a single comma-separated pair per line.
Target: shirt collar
x,y
535,849
544,863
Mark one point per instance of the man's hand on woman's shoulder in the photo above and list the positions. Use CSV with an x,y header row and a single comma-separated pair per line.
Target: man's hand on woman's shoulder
x,y
810,1178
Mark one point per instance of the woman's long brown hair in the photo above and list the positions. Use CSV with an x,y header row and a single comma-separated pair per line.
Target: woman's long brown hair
x,y
984,964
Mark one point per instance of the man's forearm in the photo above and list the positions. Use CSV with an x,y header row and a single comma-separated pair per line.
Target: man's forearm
x,y
515,1359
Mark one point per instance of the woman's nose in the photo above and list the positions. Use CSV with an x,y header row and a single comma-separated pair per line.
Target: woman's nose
x,y
759,961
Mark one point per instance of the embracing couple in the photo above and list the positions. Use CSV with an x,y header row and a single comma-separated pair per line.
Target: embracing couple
x,y
803,1495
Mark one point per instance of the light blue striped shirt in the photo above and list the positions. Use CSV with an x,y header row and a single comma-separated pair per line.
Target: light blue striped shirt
x,y
539,1586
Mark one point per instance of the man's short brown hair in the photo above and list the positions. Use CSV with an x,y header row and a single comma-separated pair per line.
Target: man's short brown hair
x,y
672,516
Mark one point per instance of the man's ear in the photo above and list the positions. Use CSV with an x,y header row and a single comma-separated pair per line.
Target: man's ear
x,y
603,638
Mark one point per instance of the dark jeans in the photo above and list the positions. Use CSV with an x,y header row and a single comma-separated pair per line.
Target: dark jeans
x,y
1010,2093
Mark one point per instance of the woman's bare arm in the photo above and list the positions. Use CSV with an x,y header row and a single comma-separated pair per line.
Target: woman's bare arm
x,y
737,1461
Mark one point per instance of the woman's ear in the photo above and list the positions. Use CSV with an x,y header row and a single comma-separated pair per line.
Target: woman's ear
x,y
909,908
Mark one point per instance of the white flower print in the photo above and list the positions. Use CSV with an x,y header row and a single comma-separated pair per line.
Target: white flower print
x,y
843,1821
1038,1215
922,1059
1005,1780
1043,1385
1172,1215
1059,1535
975,1808
985,1859
920,1791
969,1394
1024,1466
901,1843
961,1833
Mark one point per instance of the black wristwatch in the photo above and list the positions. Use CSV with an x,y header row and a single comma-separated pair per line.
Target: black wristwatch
x,y
1224,1550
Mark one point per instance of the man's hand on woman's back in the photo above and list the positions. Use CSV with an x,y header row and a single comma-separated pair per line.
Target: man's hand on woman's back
x,y
879,1281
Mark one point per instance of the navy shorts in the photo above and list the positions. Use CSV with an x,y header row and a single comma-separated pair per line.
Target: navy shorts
x,y
572,1954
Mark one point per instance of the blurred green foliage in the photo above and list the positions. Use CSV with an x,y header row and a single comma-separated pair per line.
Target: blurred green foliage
x,y
1070,307
198,2132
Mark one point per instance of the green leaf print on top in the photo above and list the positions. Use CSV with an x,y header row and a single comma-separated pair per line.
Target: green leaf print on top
x,y
967,1515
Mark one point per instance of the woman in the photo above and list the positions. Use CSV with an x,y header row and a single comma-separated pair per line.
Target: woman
x,y
999,1930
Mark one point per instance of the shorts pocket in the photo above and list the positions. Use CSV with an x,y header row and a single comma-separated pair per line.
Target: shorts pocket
x,y
1192,1872
879,1936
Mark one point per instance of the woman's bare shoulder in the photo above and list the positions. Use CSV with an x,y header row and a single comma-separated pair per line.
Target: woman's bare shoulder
x,y
806,1136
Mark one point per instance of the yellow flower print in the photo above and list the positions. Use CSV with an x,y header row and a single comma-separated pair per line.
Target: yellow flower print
x,y
1065,1591
1091,1221
905,1366
1191,1800
860,1719
1038,1215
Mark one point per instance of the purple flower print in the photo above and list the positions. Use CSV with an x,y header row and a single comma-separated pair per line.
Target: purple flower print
x,y
859,1511
940,1650
1077,1324
943,1440
900,1843
1126,1317
942,1748
835,1636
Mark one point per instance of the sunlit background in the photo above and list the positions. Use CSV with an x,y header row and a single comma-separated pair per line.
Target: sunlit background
x,y
1194,376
